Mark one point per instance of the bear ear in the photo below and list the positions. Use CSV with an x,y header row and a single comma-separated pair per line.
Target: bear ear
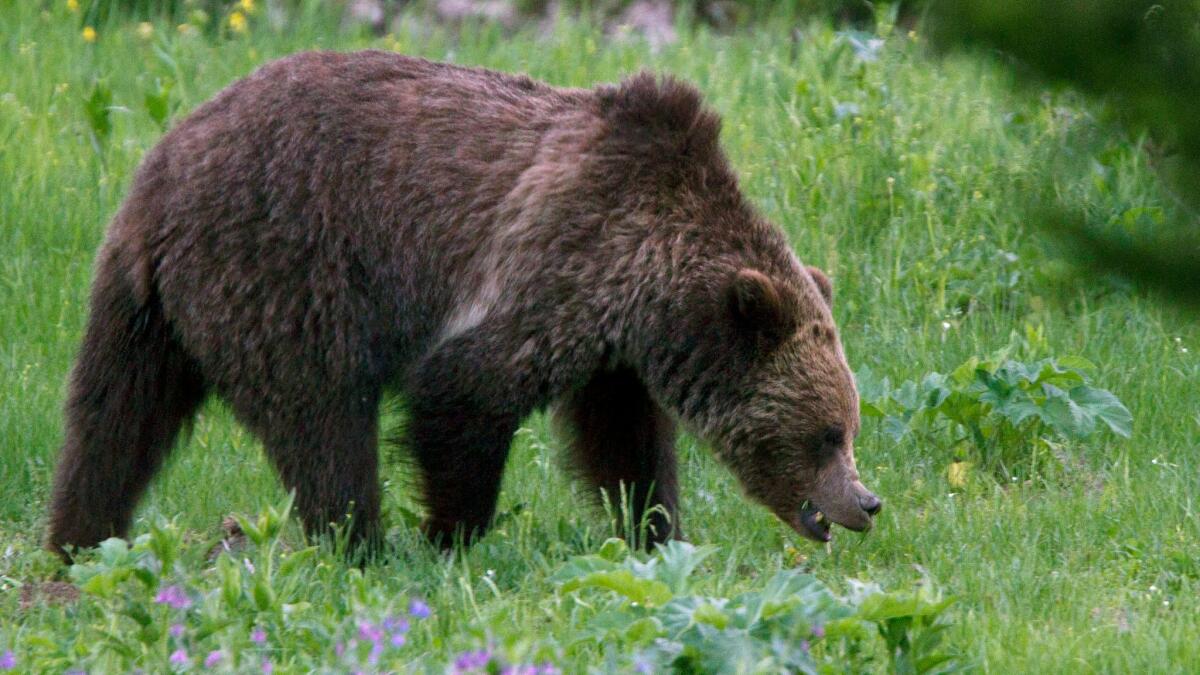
x,y
664,117
823,284
758,305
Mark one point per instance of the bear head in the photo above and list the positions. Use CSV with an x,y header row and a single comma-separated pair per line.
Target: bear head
x,y
788,432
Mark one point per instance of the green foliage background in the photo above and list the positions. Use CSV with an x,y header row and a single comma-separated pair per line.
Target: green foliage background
x,y
901,174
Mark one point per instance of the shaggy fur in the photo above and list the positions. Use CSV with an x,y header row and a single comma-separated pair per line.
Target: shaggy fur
x,y
338,225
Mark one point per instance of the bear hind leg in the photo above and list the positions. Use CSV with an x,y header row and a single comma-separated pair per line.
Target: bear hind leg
x,y
623,443
331,461
131,390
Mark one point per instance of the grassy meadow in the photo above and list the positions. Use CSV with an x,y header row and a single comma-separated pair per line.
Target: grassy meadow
x,y
901,174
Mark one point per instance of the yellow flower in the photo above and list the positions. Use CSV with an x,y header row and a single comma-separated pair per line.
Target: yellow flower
x,y
73,5
237,22
89,34
247,6
145,30
957,473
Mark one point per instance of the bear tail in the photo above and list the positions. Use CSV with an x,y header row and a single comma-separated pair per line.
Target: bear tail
x,y
131,390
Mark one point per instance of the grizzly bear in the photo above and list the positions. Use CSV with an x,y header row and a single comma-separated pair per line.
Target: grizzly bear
x,y
336,227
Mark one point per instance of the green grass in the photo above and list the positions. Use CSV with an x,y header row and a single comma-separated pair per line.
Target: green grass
x,y
911,200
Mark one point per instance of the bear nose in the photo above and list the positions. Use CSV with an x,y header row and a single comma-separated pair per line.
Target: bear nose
x,y
870,504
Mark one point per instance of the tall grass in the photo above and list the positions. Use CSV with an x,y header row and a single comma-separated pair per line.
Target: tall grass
x,y
899,174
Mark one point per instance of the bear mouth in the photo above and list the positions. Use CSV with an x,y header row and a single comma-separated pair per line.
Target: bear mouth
x,y
815,524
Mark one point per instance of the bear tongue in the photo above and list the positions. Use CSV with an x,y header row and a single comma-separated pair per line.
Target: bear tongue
x,y
815,523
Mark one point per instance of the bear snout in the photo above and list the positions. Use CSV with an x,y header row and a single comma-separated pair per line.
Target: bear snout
x,y
870,503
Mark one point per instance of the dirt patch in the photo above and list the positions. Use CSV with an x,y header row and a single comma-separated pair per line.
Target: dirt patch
x,y
48,593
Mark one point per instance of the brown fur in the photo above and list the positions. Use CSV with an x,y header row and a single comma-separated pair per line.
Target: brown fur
x,y
338,225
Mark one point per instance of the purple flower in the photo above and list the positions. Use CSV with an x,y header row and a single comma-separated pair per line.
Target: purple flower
x,y
418,609
213,658
376,652
8,660
173,596
259,636
394,624
547,668
176,630
398,640
370,632
339,649
467,661
179,657
267,668
804,646
818,631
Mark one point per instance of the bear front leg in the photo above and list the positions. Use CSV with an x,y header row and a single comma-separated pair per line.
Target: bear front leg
x,y
462,417
624,443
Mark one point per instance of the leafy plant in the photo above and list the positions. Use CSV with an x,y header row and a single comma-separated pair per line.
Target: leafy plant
x,y
158,103
97,108
997,405
794,623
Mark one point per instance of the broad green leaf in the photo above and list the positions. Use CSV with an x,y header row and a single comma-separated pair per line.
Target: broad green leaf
x,y
709,614
613,549
643,631
678,559
965,374
648,592
1106,407
883,606
1063,415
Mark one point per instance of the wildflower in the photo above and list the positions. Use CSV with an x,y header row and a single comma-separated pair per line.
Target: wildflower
x,y
176,630
369,632
213,658
418,609
89,34
237,22
247,6
267,668
73,5
547,668
145,30
179,656
376,652
398,640
804,646
173,596
394,624
818,631
259,636
8,660
467,661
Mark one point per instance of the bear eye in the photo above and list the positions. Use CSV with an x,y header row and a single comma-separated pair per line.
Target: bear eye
x,y
835,435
